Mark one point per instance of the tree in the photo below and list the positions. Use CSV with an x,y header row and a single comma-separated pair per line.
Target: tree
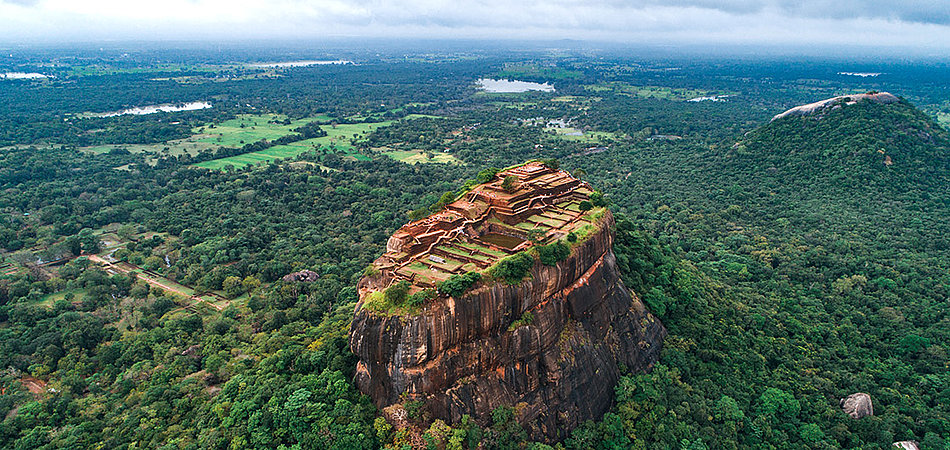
x,y
232,286
397,293
250,283
779,404
510,183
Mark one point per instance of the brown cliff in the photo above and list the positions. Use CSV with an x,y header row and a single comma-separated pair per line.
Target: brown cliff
x,y
467,355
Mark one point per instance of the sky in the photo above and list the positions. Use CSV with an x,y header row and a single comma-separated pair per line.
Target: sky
x,y
921,24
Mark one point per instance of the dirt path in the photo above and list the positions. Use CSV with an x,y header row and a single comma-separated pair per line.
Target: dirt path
x,y
34,385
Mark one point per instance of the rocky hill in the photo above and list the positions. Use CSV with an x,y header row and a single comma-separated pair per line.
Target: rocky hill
x,y
508,297
838,102
855,141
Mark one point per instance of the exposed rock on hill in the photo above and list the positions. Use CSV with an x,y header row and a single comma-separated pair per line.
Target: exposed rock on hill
x,y
857,405
553,345
836,102
878,142
304,276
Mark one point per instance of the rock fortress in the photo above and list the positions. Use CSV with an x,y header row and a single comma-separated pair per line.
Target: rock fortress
x,y
551,341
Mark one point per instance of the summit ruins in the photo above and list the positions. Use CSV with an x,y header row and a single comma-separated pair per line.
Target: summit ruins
x,y
488,223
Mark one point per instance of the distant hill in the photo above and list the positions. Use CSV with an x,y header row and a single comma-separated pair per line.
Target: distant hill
x,y
837,102
848,141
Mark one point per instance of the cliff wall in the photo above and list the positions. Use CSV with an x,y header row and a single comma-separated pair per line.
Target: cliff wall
x,y
463,356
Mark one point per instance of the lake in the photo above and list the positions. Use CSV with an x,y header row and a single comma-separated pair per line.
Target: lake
x,y
510,86
714,98
21,75
152,109
301,64
860,74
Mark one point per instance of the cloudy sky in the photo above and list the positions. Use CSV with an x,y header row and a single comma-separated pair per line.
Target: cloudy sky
x,y
888,23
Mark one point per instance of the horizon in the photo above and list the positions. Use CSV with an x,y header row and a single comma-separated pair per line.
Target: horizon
x,y
923,26
302,49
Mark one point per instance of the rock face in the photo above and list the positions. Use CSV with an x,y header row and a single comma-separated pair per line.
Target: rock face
x,y
857,405
468,355
835,102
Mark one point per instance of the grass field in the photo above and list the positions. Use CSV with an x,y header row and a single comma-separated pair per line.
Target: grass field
x,y
226,134
105,69
49,300
662,92
517,70
337,138
570,134
418,156
247,128
174,148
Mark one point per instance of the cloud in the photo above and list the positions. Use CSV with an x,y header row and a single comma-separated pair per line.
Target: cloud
x,y
867,22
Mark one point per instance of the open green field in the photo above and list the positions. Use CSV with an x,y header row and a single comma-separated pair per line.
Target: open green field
x,y
662,92
570,134
105,69
49,300
244,129
518,71
338,138
248,128
418,156
172,148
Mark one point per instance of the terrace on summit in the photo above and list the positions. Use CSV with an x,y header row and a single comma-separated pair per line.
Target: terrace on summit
x,y
487,224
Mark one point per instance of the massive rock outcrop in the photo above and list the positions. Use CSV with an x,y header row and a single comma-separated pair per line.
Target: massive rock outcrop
x,y
835,102
552,346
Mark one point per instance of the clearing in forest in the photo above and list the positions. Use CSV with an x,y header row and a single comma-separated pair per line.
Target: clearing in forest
x,y
420,156
339,139
574,134
661,92
238,132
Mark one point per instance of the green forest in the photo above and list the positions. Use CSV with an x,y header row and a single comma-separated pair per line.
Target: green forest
x,y
794,262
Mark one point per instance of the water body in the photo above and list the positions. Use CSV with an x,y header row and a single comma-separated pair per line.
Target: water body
x,y
715,98
301,64
860,74
502,240
509,86
152,109
22,76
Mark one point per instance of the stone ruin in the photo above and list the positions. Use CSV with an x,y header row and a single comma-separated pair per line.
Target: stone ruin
x,y
486,224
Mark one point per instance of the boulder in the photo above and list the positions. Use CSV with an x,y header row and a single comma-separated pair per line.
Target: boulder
x,y
305,276
857,405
